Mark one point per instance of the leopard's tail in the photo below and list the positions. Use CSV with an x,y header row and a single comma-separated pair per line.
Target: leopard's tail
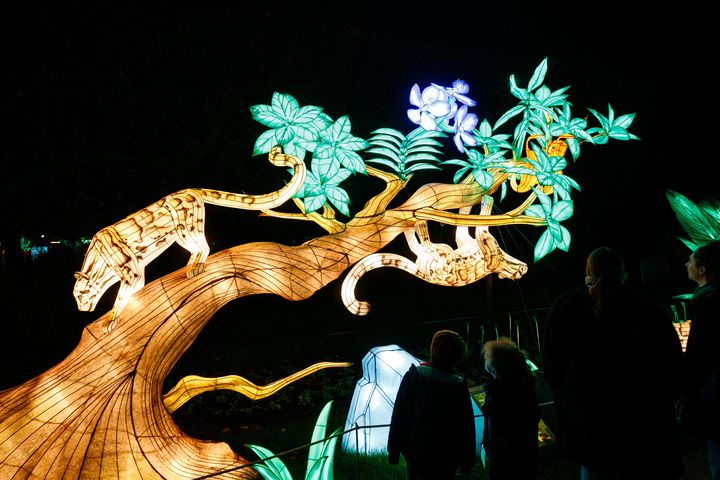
x,y
265,201
371,262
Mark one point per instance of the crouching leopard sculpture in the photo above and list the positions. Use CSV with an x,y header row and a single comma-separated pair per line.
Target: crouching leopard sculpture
x,y
120,252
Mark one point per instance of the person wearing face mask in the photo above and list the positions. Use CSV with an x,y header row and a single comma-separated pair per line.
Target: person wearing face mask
x,y
700,404
510,413
614,362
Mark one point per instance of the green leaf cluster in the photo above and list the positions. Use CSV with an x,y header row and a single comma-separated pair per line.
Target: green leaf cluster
x,y
555,236
477,165
405,154
611,127
548,113
300,130
321,454
548,171
542,113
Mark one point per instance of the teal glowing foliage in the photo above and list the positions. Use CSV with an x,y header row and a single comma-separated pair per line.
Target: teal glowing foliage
x,y
320,455
405,154
700,221
556,236
25,243
533,368
537,104
548,171
477,164
543,115
307,129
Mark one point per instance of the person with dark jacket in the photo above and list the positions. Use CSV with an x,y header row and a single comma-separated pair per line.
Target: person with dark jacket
x,y
432,423
511,413
614,362
700,407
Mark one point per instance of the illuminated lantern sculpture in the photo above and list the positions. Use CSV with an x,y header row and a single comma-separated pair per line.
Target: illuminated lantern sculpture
x,y
102,413
374,397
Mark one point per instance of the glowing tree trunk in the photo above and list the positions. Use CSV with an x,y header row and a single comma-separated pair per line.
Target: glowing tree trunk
x,y
101,412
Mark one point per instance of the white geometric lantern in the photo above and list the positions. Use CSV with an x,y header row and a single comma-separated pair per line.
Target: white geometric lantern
x,y
374,397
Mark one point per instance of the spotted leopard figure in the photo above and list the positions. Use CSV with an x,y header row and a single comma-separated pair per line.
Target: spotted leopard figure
x,y
120,252
438,263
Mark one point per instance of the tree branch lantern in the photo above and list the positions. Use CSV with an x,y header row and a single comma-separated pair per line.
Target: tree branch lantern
x,y
101,412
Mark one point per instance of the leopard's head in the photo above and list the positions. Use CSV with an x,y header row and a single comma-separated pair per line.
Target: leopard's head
x,y
91,285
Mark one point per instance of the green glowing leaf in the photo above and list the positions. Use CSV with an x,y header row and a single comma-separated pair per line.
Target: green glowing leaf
x,y
391,146
315,451
535,211
545,245
353,143
542,93
485,138
329,453
267,116
562,210
516,110
421,166
421,156
538,75
391,165
265,142
700,223
424,145
624,120
483,178
388,152
285,103
306,114
284,135
268,473
390,133
350,160
313,203
315,470
554,229
518,92
618,133
324,166
272,466
307,133
544,200
564,243
691,245
339,199
295,149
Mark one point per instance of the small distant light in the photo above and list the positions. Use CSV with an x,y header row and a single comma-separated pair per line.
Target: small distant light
x,y
42,236
54,242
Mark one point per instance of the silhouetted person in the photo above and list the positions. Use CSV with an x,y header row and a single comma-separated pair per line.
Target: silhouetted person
x,y
511,413
614,361
432,423
700,407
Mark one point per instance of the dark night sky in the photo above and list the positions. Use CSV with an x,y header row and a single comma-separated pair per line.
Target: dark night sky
x,y
108,108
